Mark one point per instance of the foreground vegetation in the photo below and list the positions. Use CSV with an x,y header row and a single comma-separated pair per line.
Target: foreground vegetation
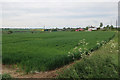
x,y
46,51
6,76
102,63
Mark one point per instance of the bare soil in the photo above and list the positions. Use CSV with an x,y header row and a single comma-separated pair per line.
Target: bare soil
x,y
16,73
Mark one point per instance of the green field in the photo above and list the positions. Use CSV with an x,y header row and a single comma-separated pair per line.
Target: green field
x,y
103,63
47,51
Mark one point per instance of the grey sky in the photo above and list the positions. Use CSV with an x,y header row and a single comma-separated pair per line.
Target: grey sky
x,y
56,13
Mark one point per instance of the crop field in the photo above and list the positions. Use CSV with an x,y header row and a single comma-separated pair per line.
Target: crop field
x,y
47,51
103,63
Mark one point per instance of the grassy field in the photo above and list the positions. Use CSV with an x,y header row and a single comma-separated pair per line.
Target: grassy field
x,y
102,63
47,51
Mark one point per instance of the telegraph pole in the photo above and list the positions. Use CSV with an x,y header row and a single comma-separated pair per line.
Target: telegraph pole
x,y
116,23
44,27
111,22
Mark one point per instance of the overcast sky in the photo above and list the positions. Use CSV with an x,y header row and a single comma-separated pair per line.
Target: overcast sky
x,y
58,13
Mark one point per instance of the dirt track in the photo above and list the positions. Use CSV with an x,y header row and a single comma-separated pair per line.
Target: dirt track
x,y
18,74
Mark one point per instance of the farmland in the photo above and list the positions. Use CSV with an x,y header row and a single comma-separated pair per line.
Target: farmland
x,y
47,51
102,63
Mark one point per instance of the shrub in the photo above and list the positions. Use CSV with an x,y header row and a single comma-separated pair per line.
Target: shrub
x,y
95,67
6,76
10,32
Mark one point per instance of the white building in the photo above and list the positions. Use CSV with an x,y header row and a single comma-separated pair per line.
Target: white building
x,y
92,29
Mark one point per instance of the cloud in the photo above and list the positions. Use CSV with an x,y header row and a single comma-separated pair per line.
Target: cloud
x,y
58,14
59,0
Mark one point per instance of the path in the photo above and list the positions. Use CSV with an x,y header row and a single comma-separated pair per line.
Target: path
x,y
46,74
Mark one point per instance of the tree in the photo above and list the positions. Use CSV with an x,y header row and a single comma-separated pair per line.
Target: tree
x,y
107,26
56,29
118,29
64,29
111,27
73,29
68,28
86,28
10,32
101,24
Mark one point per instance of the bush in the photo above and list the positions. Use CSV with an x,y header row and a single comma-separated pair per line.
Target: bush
x,y
10,32
6,77
94,67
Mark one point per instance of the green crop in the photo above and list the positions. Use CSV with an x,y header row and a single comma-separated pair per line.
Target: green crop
x,y
47,51
103,63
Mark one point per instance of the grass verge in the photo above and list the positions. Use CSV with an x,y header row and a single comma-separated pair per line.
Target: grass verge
x,y
103,63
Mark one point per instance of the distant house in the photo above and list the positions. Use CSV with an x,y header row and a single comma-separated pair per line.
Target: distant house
x,y
92,28
79,30
89,29
101,28
59,30
37,29
42,30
